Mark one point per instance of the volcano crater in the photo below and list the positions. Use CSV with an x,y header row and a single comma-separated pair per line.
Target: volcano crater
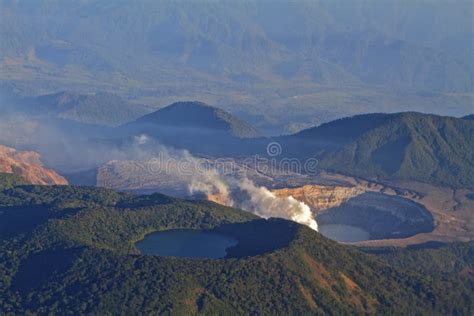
x,y
375,216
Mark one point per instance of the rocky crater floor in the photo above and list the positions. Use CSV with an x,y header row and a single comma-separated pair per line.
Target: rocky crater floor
x,y
393,214
390,213
382,216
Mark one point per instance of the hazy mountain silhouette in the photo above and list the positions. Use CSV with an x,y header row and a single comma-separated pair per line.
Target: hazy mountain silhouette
x,y
200,116
100,108
336,59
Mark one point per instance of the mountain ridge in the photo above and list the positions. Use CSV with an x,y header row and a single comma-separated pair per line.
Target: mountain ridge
x,y
248,41
349,61
407,145
195,114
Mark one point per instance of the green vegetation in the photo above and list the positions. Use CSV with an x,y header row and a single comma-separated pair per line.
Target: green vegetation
x,y
453,264
408,146
9,180
434,259
71,250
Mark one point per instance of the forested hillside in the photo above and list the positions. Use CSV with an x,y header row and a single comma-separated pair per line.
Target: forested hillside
x,y
409,146
82,241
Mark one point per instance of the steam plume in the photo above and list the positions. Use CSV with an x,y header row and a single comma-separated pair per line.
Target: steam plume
x,y
256,199
74,152
266,204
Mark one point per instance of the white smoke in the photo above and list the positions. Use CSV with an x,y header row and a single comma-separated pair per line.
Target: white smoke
x,y
265,203
141,139
211,184
258,199
64,154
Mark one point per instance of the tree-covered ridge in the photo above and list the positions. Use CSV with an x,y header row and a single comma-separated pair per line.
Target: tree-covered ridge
x,y
408,146
82,241
451,264
434,259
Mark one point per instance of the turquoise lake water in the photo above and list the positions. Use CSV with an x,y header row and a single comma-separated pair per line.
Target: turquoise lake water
x,y
344,233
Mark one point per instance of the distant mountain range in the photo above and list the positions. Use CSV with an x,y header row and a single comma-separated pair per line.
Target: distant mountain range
x,y
247,43
336,59
100,108
404,146
71,250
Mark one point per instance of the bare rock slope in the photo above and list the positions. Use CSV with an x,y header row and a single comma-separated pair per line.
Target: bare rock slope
x,y
27,164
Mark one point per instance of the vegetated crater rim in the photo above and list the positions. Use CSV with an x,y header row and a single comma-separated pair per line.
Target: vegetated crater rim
x,y
252,238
